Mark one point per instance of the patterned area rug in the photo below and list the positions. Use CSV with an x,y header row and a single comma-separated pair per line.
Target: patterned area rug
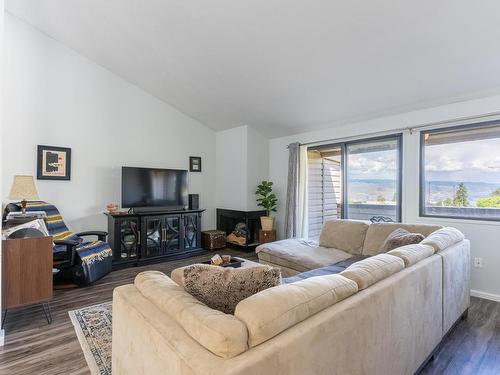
x,y
93,328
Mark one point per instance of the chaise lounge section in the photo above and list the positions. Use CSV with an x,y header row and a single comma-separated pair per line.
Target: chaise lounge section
x,y
339,240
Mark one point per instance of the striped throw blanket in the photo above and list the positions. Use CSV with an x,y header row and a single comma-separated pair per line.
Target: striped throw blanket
x,y
89,251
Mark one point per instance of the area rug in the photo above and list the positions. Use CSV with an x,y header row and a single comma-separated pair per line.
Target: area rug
x,y
93,328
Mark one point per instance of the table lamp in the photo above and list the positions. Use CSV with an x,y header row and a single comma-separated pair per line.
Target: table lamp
x,y
23,188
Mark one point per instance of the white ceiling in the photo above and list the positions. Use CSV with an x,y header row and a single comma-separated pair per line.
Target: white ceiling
x,y
284,66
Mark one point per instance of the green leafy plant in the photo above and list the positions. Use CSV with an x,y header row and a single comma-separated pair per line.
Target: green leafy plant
x,y
493,202
461,196
266,198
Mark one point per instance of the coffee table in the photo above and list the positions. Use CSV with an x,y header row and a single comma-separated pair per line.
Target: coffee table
x,y
177,275
248,263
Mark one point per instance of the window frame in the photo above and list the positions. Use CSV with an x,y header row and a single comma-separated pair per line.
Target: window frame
x,y
344,145
422,180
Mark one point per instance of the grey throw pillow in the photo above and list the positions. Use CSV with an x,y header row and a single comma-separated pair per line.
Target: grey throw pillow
x,y
401,237
221,288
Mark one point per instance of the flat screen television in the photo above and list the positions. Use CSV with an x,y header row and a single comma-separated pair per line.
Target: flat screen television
x,y
150,188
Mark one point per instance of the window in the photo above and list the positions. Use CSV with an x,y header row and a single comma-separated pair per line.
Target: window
x,y
374,180
460,172
354,180
324,188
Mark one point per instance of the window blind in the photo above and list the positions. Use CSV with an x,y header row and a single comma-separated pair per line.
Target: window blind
x,y
324,189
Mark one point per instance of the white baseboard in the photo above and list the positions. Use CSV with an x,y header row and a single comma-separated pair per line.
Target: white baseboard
x,y
490,296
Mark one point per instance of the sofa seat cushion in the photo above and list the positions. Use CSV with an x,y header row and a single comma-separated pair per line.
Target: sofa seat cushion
x,y
346,235
273,310
221,288
327,270
299,254
400,237
371,270
223,334
378,232
412,254
443,238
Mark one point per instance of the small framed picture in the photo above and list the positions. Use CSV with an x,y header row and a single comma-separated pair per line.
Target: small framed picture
x,y
53,163
194,164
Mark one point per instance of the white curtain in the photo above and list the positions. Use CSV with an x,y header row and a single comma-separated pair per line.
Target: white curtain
x,y
296,224
302,211
291,204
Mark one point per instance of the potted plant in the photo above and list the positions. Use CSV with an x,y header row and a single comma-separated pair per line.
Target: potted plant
x,y
266,199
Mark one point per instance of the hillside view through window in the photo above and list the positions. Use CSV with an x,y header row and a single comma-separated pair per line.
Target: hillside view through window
x,y
461,172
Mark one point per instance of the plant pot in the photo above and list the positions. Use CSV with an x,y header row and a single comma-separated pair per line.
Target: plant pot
x,y
266,222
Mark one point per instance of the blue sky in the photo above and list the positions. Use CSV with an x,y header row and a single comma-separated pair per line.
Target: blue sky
x,y
373,165
475,161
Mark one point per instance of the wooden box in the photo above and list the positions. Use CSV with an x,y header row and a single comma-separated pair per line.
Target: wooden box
x,y
213,239
267,236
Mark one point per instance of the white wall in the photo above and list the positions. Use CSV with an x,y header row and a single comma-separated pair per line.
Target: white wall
x,y
242,159
231,161
1,135
54,96
483,235
231,171
257,164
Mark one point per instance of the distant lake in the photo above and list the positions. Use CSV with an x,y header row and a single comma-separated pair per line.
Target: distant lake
x,y
368,190
440,190
363,190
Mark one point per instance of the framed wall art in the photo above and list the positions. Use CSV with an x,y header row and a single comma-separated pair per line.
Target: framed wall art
x,y
194,164
53,163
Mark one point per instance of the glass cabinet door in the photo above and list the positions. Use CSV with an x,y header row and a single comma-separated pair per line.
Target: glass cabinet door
x,y
172,234
152,236
191,238
129,239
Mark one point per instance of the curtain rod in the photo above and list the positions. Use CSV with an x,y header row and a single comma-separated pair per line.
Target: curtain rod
x,y
407,128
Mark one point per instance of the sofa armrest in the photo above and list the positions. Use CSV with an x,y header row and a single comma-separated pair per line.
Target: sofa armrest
x,y
139,325
101,235
70,249
456,282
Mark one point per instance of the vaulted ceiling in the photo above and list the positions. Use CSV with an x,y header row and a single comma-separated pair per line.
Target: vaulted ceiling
x,y
284,66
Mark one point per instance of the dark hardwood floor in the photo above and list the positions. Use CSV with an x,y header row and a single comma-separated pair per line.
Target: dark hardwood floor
x,y
473,346
33,347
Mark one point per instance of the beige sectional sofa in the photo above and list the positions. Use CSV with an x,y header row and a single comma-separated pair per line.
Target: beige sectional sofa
x,y
382,315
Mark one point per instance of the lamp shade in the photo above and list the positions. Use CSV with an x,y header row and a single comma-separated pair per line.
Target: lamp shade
x,y
23,187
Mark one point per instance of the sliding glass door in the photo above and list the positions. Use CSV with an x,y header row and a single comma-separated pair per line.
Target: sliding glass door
x,y
373,180
354,180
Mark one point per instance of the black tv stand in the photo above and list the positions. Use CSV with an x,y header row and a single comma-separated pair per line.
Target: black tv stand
x,y
155,210
137,238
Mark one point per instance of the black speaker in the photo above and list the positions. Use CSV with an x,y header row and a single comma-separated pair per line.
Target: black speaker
x,y
194,201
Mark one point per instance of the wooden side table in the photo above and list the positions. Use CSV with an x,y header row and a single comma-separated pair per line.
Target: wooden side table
x,y
27,273
267,236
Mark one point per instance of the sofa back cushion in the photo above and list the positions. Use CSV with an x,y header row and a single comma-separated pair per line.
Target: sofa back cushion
x,y
222,334
273,310
443,238
371,270
378,232
346,235
412,254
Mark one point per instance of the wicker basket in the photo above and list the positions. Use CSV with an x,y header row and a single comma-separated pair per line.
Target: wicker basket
x,y
213,239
